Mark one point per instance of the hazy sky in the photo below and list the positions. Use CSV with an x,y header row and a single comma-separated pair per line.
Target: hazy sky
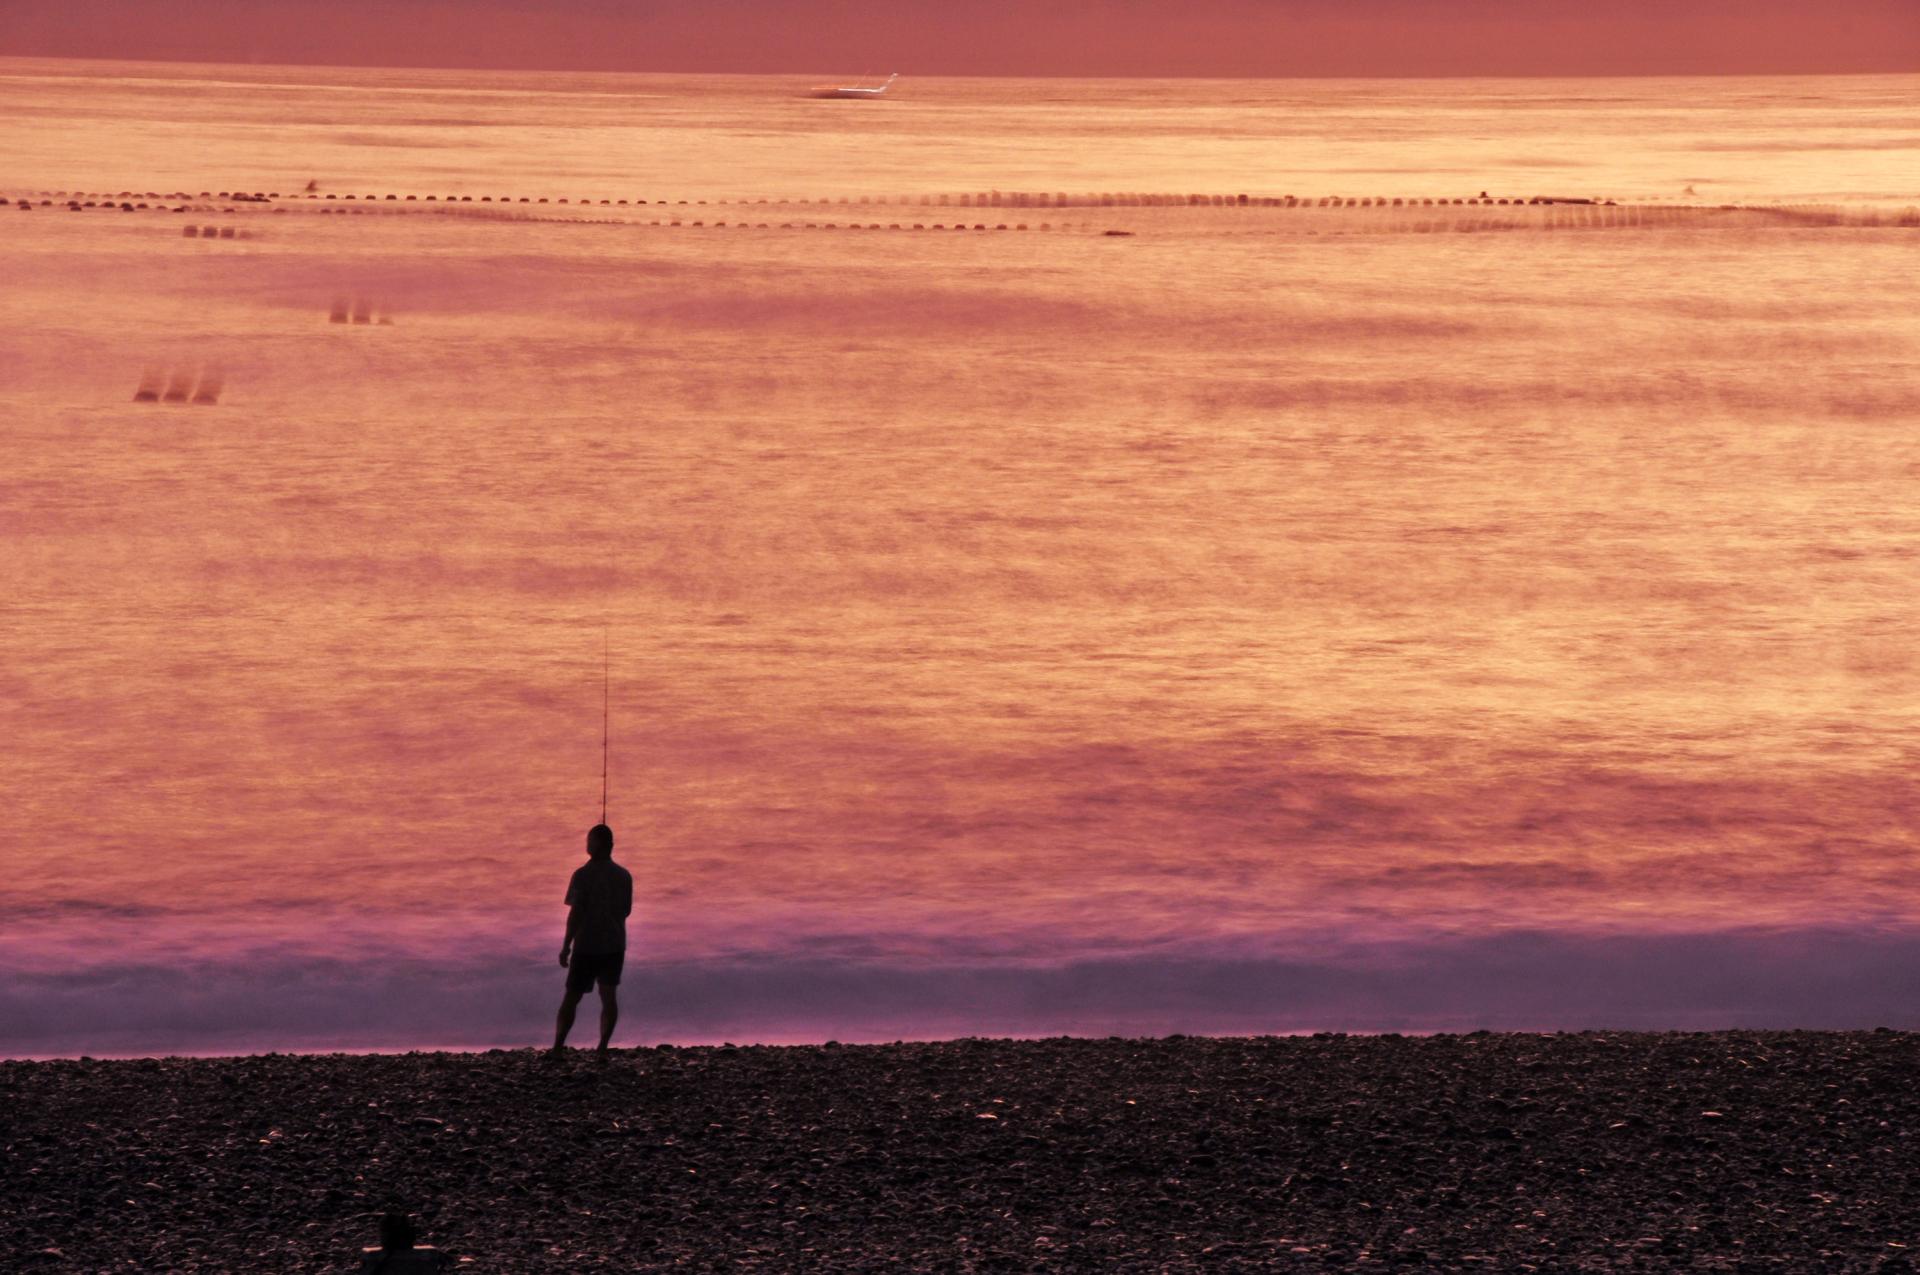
x,y
987,37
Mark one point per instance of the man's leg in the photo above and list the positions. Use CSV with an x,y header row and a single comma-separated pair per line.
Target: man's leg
x,y
564,1023
609,1012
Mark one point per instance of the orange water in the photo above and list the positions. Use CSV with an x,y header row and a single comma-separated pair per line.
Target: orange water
x,y
1226,597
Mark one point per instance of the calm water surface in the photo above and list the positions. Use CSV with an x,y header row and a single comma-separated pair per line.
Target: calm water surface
x,y
166,126
1226,600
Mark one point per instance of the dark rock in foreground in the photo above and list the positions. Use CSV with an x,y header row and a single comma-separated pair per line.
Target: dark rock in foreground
x,y
1723,1151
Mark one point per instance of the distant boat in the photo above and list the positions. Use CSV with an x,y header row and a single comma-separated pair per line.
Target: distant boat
x,y
853,90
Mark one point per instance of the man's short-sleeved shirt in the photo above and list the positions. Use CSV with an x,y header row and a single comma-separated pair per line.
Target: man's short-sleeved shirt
x,y
601,896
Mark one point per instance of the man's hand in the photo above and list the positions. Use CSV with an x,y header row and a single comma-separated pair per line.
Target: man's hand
x,y
566,954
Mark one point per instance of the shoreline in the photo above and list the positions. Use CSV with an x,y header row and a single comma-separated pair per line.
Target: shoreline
x,y
719,1044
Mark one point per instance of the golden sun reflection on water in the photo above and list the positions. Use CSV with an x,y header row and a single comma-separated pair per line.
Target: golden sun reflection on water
x,y
982,599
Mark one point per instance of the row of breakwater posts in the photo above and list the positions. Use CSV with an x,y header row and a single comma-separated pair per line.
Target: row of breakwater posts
x,y
197,385
202,385
987,199
1366,214
984,199
361,310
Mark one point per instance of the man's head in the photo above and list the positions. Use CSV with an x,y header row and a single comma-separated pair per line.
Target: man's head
x,y
600,841
396,1232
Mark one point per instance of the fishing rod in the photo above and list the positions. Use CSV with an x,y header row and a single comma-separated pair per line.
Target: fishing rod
x,y
606,695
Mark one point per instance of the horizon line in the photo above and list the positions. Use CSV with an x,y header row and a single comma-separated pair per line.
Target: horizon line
x,y
1913,71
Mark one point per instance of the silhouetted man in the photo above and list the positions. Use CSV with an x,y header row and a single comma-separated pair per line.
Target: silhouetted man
x,y
599,898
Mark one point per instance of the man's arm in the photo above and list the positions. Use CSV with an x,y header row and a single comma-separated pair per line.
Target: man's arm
x,y
566,944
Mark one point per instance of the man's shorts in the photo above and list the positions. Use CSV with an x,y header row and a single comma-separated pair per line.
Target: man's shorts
x,y
588,968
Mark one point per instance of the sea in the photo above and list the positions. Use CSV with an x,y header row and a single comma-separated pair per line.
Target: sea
x,y
1270,576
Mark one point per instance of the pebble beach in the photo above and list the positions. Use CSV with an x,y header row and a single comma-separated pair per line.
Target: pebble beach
x,y
1775,1151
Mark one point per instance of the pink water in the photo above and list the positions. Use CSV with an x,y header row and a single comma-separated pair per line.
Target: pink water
x,y
1227,627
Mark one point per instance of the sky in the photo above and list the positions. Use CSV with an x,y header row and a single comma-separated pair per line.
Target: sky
x,y
996,37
